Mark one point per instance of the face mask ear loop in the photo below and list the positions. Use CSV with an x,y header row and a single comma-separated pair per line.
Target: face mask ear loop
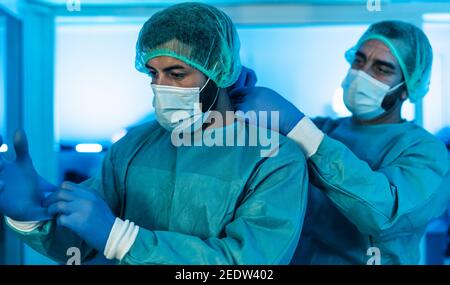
x,y
392,90
208,81
395,87
201,89
215,99
214,102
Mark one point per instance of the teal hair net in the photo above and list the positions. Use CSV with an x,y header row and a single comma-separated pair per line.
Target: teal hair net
x,y
199,35
411,48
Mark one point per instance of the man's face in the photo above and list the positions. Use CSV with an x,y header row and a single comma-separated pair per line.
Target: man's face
x,y
169,71
375,58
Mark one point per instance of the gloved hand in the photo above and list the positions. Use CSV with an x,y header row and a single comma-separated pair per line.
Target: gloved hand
x,y
82,211
265,99
21,188
247,79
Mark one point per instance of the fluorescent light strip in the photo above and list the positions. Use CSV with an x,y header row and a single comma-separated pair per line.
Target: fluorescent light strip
x,y
437,17
88,147
3,148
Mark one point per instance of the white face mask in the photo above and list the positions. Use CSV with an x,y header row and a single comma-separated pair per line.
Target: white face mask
x,y
179,108
363,94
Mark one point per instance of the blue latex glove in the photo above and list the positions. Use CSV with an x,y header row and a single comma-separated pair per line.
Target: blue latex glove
x,y
21,188
247,79
265,99
82,211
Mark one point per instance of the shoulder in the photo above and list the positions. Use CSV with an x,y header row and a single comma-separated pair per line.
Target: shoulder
x,y
415,135
282,149
135,137
422,145
327,124
290,147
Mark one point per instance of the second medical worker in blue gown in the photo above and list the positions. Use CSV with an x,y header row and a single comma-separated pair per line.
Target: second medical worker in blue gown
x,y
165,204
375,178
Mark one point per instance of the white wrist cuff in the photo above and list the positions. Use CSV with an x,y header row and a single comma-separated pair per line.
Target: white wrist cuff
x,y
307,136
121,238
25,227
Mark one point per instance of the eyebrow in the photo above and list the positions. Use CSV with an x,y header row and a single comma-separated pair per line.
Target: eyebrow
x,y
169,68
377,61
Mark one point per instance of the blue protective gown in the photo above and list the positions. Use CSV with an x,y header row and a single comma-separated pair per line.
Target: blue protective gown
x,y
371,186
196,204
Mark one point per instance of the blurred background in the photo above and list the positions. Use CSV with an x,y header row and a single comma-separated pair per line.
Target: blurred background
x,y
67,76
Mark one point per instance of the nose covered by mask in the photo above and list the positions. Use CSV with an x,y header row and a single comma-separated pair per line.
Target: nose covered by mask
x,y
363,94
178,108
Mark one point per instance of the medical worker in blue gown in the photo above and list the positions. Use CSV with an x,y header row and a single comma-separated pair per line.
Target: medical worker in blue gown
x,y
375,178
156,202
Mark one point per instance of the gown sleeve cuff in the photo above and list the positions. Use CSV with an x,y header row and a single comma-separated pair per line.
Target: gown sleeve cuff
x,y
307,136
25,227
121,238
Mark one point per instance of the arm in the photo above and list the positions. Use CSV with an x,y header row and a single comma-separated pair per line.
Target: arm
x,y
21,187
53,240
399,197
395,199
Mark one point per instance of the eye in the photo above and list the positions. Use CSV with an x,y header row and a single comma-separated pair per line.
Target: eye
x,y
358,62
383,70
178,76
152,73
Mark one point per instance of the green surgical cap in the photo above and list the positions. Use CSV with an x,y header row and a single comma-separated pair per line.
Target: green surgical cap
x,y
411,48
199,35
